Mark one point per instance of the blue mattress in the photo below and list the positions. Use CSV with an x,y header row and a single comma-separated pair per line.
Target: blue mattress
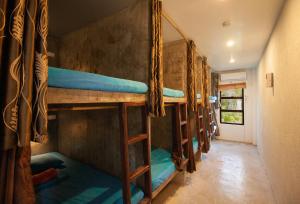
x,y
173,93
83,184
195,144
71,79
162,167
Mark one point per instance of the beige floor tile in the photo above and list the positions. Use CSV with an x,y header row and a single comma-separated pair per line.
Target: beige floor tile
x,y
231,173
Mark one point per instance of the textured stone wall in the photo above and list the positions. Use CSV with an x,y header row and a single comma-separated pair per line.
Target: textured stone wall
x,y
116,46
175,65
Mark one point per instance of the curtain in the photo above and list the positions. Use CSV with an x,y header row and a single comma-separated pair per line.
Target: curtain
x,y
205,104
157,108
23,87
205,81
191,76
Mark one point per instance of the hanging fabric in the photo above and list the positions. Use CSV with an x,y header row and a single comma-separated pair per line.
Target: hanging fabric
x,y
157,108
23,88
191,76
205,81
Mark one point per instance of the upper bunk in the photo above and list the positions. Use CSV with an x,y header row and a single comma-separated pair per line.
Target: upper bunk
x,y
68,86
103,46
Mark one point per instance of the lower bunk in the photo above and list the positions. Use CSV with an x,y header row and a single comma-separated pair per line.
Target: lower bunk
x,y
75,182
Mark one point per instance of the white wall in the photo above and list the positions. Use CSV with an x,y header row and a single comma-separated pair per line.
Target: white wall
x,y
243,133
278,110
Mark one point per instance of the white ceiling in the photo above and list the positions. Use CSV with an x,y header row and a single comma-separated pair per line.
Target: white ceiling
x,y
252,22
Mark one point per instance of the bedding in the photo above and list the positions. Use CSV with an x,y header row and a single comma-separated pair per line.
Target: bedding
x,y
71,79
78,184
42,162
162,166
44,176
195,144
173,93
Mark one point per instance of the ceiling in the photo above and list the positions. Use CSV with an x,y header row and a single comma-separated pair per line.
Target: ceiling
x,y
251,23
69,15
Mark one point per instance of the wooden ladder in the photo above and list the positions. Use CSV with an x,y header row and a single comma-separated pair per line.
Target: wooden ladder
x,y
126,140
200,128
182,134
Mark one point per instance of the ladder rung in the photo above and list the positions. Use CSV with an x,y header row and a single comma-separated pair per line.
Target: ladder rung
x,y
183,123
184,141
138,172
145,201
137,138
184,163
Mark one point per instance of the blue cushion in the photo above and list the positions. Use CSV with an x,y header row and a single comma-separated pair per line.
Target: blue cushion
x,y
71,79
162,167
84,184
173,93
40,163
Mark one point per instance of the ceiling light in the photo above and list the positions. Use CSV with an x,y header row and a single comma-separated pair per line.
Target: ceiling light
x,y
232,60
230,43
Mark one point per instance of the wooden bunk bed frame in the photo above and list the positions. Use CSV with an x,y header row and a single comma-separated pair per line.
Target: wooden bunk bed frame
x,y
180,125
200,129
60,99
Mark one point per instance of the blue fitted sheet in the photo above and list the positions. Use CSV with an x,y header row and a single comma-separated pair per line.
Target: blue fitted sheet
x,y
162,167
195,144
71,79
173,93
83,184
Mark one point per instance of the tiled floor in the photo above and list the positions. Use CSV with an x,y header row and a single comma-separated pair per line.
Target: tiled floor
x,y
230,173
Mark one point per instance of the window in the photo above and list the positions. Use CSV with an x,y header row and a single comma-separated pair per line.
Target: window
x,y
232,106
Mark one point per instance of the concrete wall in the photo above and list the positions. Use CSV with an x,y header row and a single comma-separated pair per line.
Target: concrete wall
x,y
279,109
117,45
175,65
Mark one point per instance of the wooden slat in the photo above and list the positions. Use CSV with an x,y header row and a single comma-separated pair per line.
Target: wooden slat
x,y
138,172
145,200
183,123
80,108
184,141
174,100
184,163
137,138
65,96
164,184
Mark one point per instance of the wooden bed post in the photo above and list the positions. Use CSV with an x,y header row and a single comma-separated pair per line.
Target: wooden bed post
x,y
124,153
125,141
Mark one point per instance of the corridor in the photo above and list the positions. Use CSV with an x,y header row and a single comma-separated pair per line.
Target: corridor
x,y
232,173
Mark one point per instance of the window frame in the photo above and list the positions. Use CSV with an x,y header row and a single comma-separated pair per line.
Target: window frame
x,y
233,111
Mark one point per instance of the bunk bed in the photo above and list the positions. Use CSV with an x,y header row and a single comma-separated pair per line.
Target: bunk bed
x,y
75,90
79,183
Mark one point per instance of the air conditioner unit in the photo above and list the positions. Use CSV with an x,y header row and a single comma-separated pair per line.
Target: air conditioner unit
x,y
233,77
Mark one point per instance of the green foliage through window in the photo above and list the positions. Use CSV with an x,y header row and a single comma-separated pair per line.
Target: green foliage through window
x,y
232,106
